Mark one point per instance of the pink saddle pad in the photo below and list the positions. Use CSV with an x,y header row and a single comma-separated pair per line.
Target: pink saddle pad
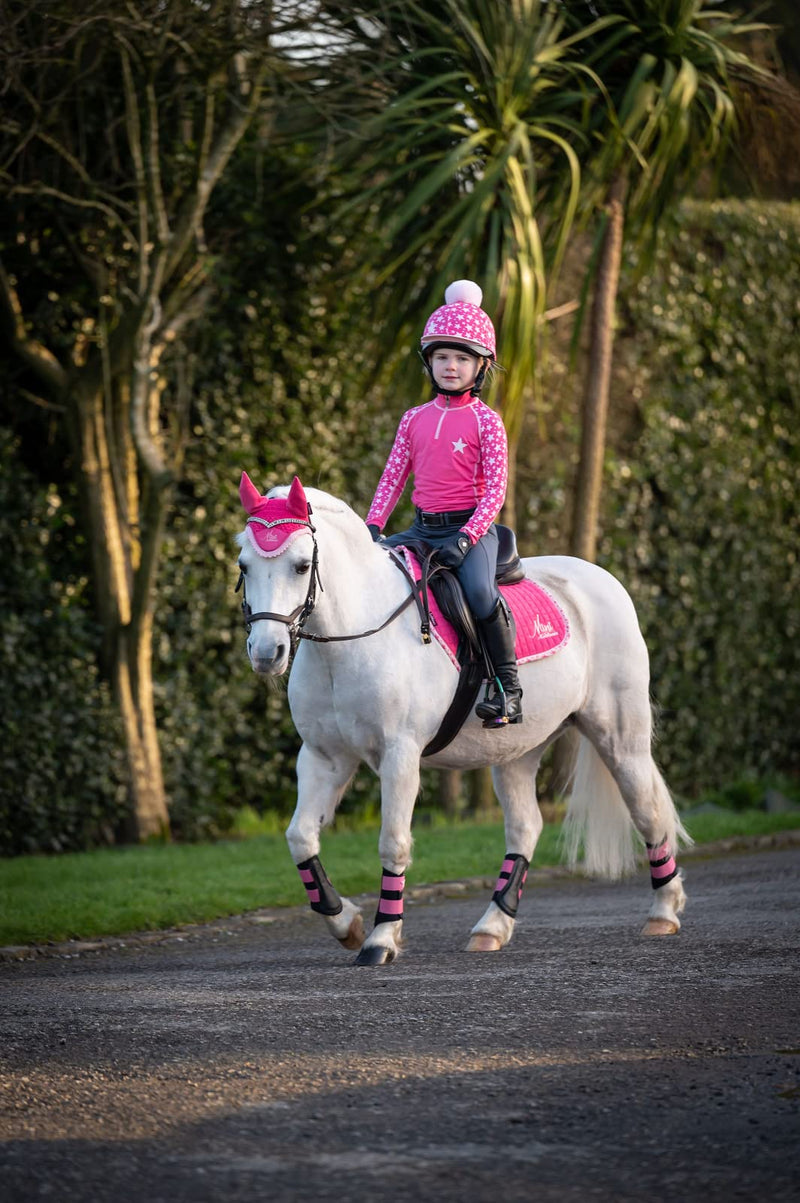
x,y
542,626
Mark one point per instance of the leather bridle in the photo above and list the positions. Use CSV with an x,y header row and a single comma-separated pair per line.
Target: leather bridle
x,y
295,622
300,614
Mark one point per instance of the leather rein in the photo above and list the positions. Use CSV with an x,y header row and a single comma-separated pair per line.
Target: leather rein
x,y
295,622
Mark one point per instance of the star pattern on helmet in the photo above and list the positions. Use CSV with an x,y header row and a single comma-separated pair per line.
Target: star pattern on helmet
x,y
461,320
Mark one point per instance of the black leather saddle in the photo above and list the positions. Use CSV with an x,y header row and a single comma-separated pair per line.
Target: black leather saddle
x,y
449,595
445,586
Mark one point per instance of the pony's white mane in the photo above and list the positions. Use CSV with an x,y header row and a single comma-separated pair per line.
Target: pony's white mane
x,y
318,500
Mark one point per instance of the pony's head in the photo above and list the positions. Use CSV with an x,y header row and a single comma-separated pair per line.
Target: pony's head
x,y
278,590
274,523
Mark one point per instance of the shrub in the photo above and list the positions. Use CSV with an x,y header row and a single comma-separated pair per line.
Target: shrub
x,y
701,509
61,772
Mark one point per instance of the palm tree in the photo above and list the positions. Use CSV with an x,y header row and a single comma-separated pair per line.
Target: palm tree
x,y
670,77
471,167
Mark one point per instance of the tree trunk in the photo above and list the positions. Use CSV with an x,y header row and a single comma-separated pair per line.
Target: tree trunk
x,y
149,816
124,601
450,791
482,800
594,415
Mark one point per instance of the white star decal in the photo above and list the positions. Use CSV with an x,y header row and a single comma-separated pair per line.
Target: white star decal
x,y
459,445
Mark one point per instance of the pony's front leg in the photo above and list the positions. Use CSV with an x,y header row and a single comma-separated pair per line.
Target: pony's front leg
x,y
399,775
321,781
515,786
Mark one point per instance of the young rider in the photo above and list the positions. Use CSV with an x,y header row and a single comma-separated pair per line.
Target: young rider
x,y
455,447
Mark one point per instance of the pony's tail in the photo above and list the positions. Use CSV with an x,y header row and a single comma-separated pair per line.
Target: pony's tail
x,y
599,822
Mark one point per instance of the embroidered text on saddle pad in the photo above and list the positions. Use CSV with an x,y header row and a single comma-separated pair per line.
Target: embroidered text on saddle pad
x,y
542,626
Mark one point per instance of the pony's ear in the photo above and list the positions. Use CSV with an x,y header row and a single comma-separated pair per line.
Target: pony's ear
x,y
249,494
296,501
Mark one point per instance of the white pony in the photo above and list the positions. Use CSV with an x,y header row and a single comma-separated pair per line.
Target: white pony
x,y
365,687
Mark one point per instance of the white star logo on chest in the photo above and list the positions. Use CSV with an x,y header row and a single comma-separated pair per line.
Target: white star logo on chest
x,y
459,445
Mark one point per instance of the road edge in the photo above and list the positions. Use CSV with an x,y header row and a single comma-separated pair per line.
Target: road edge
x,y
775,841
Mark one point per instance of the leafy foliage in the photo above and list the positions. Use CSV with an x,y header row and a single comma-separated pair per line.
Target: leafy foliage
x,y
702,514
668,69
472,164
62,783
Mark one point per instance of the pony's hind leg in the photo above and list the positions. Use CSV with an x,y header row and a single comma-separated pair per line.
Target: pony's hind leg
x,y
655,818
515,786
399,775
321,782
617,783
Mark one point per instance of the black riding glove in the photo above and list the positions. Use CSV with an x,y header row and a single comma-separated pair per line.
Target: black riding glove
x,y
453,553
375,531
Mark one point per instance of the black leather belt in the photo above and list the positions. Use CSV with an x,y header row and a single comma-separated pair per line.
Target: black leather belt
x,y
445,518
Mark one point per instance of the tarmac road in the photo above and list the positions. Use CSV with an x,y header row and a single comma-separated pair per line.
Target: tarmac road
x,y
254,1062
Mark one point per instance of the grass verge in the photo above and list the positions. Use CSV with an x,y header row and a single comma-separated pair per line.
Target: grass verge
x,y
120,890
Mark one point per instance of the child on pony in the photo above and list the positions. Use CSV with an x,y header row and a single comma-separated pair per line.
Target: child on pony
x,y
455,447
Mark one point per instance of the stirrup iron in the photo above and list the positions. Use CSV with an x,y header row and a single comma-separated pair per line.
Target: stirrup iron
x,y
498,718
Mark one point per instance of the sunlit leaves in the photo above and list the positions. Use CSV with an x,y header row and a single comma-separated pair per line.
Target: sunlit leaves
x,y
668,73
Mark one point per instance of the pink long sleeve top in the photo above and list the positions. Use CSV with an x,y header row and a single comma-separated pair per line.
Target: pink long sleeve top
x,y
457,451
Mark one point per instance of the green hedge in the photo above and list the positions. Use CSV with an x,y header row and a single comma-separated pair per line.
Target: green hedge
x,y
701,509
61,770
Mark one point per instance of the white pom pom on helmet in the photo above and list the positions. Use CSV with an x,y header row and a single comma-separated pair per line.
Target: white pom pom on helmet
x,y
461,321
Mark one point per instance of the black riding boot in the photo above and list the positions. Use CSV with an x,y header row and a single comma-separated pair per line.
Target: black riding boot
x,y
500,636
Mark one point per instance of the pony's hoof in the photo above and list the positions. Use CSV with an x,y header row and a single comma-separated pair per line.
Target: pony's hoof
x,y
375,954
483,942
355,934
660,927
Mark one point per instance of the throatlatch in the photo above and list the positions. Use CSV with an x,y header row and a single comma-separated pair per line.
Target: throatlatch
x,y
321,894
508,890
662,864
390,905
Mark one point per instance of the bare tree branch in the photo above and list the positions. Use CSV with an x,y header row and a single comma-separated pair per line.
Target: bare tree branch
x,y
134,131
42,361
148,452
227,140
78,202
65,154
550,315
179,299
177,319
154,165
41,402
208,124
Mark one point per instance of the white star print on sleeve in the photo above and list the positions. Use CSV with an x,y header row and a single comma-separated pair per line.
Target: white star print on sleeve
x,y
394,476
494,456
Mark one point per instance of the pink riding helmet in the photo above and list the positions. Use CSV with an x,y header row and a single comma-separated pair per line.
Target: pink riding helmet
x,y
461,320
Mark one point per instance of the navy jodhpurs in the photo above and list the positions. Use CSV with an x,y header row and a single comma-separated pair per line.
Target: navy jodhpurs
x,y
477,572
